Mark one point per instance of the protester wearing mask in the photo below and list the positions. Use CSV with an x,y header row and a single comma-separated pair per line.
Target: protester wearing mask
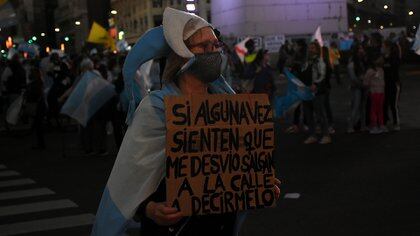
x,y
313,75
137,185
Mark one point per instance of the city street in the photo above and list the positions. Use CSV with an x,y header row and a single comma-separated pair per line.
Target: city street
x,y
360,184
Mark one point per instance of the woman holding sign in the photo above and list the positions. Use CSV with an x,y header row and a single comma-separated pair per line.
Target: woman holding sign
x,y
136,187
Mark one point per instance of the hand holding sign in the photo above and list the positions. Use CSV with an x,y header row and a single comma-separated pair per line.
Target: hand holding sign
x,y
219,153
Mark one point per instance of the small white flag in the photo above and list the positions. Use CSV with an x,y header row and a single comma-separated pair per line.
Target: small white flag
x,y
241,50
318,36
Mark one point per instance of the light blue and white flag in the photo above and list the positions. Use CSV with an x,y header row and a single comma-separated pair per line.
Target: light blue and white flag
x,y
89,95
296,93
416,45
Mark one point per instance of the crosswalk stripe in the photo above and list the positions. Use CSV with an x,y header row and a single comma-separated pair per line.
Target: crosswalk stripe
x,y
47,224
36,207
16,182
2,167
25,193
8,173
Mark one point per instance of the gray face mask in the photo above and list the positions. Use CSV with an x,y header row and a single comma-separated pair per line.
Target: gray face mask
x,y
205,66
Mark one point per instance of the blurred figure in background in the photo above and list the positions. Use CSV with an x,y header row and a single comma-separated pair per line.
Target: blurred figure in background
x,y
313,76
334,56
356,69
392,83
264,74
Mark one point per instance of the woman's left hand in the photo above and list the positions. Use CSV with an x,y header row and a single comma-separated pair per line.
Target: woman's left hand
x,y
276,187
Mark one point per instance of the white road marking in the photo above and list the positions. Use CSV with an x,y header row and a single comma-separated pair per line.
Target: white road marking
x,y
292,195
46,224
7,173
36,207
25,193
16,182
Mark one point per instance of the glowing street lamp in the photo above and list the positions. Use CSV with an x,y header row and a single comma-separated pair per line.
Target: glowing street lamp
x,y
66,39
57,29
190,7
381,27
359,1
42,34
386,7
77,22
369,21
34,38
410,13
114,12
357,18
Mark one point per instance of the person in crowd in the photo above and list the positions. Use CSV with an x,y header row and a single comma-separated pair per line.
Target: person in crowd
x,y
61,82
356,70
334,56
144,142
93,135
285,55
298,59
264,76
35,99
313,76
328,72
249,67
392,83
14,77
375,83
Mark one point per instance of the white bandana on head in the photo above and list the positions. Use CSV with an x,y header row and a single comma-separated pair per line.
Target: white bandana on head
x,y
174,22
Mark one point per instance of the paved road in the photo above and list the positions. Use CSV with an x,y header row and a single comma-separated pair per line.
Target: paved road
x,y
359,185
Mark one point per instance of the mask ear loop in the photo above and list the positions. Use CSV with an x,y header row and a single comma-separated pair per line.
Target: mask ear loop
x,y
186,66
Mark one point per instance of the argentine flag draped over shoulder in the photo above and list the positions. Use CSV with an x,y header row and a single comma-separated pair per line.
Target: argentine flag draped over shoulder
x,y
296,93
89,95
140,163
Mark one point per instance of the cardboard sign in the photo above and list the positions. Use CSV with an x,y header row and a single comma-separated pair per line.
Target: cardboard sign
x,y
219,153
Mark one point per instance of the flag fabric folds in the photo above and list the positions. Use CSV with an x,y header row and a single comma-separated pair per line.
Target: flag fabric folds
x,y
318,36
296,93
241,50
100,35
89,95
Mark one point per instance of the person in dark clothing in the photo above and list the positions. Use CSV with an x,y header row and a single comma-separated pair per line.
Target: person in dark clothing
x,y
61,82
35,98
264,74
392,83
328,74
296,62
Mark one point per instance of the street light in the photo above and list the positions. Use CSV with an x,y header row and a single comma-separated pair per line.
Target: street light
x,y
410,13
66,39
381,27
385,7
34,38
190,7
42,34
369,21
359,1
57,30
114,12
77,23
357,18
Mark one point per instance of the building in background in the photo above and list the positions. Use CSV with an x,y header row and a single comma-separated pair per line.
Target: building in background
x,y
134,17
268,17
28,21
71,24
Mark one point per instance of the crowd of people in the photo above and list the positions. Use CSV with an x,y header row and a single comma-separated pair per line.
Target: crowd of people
x,y
372,69
45,82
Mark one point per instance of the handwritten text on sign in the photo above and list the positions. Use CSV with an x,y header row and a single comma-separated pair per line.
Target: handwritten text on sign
x,y
219,153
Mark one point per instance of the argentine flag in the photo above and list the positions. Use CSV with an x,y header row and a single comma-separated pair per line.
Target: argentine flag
x,y
296,93
89,95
